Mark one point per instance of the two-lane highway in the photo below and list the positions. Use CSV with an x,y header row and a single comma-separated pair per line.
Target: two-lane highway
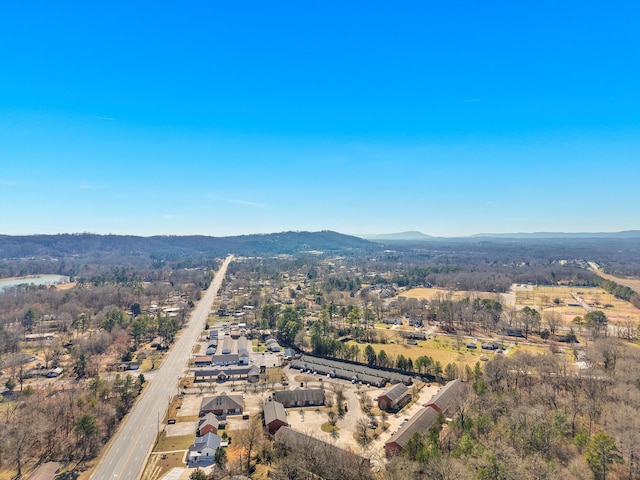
x,y
128,450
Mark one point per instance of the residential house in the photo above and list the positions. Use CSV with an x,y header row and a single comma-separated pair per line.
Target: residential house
x,y
203,449
142,354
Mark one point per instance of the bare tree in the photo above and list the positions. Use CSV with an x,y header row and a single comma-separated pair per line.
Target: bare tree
x,y
250,438
363,436
553,320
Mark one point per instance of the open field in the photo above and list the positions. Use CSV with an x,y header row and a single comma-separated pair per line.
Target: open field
x,y
167,444
442,294
542,298
440,348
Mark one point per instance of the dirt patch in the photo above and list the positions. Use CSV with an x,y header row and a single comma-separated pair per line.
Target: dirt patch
x,y
190,407
441,294
180,429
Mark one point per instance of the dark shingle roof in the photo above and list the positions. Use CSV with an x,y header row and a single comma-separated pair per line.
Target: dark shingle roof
x,y
274,411
232,370
299,397
447,394
421,422
396,393
299,442
222,402
209,419
347,370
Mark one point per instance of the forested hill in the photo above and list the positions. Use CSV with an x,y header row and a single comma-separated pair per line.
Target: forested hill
x,y
86,244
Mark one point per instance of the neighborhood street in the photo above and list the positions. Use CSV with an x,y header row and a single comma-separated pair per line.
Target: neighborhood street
x,y
127,451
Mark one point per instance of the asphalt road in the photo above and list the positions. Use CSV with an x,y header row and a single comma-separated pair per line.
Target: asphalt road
x,y
129,448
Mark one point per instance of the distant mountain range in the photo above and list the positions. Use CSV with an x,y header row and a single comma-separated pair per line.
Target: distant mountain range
x,y
180,246
414,236
394,237
625,234
198,246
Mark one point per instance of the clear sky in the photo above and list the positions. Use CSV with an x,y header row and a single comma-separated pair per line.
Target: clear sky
x,y
236,117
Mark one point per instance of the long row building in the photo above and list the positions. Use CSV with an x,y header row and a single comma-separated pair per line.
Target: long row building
x,y
442,402
354,372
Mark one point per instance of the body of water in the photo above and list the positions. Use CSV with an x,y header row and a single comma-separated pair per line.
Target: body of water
x,y
32,279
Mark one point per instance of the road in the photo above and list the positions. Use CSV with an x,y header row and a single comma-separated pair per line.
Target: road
x,y
633,284
128,450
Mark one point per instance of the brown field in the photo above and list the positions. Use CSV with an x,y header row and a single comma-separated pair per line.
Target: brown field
x,y
157,467
166,444
441,294
541,298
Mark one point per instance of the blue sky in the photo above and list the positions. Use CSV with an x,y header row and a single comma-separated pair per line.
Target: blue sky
x,y
224,118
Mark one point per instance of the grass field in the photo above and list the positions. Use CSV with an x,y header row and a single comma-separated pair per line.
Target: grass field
x,y
167,444
440,348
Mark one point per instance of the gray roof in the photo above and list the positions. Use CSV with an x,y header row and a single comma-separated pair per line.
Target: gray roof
x,y
209,419
222,402
274,411
421,422
225,358
396,393
297,441
230,371
447,395
243,345
210,440
347,370
299,397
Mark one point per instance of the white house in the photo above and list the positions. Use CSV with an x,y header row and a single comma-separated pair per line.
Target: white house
x,y
204,448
